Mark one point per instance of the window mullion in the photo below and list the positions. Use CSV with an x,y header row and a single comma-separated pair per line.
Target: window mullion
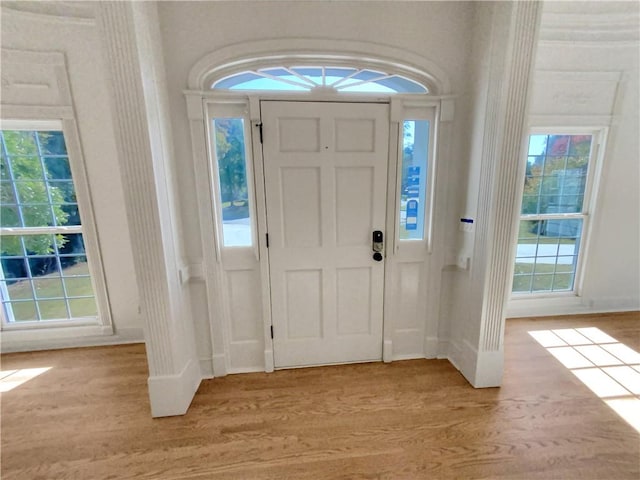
x,y
44,178
66,230
554,216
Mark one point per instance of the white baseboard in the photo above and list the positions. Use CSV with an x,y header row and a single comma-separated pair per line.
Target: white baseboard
x,y
206,367
172,394
254,369
482,369
219,365
443,349
387,351
268,361
407,356
67,337
430,347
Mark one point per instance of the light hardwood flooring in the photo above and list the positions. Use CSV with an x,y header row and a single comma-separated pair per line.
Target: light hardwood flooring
x,y
88,418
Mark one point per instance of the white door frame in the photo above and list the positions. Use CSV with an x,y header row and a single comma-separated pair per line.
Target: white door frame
x,y
398,342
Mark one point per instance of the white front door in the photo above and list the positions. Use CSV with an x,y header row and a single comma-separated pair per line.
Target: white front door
x,y
325,180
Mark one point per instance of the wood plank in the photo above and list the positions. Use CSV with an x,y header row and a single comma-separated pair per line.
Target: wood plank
x,y
88,418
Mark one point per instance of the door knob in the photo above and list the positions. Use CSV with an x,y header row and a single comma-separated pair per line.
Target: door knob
x,y
377,257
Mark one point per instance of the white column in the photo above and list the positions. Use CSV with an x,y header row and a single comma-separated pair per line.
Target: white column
x,y
513,45
135,65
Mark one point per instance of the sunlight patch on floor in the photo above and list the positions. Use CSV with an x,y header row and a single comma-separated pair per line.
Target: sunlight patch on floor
x,y
10,379
610,369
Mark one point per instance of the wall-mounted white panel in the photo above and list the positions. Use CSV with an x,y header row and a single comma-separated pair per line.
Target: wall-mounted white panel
x,y
300,195
354,135
354,301
574,93
304,303
244,303
299,134
34,78
409,294
354,195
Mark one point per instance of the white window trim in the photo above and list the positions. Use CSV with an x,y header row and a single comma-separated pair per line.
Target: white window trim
x,y
77,327
569,298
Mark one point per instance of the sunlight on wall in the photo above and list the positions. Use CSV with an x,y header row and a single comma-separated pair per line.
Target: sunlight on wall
x,y
10,379
610,369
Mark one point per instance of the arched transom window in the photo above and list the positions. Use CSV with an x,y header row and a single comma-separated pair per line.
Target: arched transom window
x,y
325,78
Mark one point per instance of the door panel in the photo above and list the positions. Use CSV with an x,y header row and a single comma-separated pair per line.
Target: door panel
x,y
325,181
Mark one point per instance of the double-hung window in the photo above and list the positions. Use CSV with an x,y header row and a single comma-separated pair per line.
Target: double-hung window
x,y
44,274
556,205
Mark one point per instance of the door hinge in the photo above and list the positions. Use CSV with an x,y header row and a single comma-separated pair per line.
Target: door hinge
x,y
267,235
259,125
272,332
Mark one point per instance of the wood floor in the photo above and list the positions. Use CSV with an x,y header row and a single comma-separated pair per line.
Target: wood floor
x,y
88,418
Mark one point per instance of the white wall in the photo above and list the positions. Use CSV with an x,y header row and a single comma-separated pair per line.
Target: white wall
x,y
587,74
77,38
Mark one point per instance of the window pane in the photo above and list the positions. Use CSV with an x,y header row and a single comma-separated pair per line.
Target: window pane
x,y
9,215
37,215
52,143
22,311
556,174
74,265
14,267
71,244
43,265
400,84
19,142
413,192
548,249
78,286
521,283
48,287
17,289
40,272
53,309
57,168
232,171
33,245
26,167
83,307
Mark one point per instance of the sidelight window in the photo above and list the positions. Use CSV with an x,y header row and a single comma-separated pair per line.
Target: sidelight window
x,y
229,146
413,186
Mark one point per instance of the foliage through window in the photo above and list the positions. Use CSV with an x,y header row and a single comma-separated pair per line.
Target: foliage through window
x,y
232,176
553,213
44,273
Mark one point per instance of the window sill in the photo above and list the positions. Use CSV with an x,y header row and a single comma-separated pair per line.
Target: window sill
x,y
562,303
51,337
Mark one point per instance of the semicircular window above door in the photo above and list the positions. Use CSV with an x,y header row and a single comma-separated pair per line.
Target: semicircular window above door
x,y
326,78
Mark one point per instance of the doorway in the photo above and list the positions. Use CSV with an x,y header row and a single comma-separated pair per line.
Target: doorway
x,y
325,171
